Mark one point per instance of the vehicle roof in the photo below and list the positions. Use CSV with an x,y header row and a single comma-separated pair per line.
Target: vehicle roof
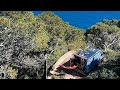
x,y
88,53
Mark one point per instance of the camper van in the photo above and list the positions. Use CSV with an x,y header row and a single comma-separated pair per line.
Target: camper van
x,y
82,61
89,58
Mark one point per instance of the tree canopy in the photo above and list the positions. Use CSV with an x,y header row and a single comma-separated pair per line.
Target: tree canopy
x,y
27,42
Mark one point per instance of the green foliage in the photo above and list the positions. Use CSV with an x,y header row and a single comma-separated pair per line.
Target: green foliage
x,y
103,74
75,39
5,22
26,77
20,35
30,40
58,52
41,39
102,27
105,35
112,55
15,15
7,72
51,19
111,22
62,36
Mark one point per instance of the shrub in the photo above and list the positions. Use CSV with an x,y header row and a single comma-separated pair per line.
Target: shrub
x,y
8,72
103,74
112,56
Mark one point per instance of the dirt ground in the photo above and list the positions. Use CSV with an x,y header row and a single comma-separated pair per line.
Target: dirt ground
x,y
66,76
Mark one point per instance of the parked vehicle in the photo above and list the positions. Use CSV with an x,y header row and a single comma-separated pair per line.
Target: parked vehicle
x,y
82,61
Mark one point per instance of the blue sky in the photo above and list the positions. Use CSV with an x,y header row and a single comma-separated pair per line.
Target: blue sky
x,y
85,19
